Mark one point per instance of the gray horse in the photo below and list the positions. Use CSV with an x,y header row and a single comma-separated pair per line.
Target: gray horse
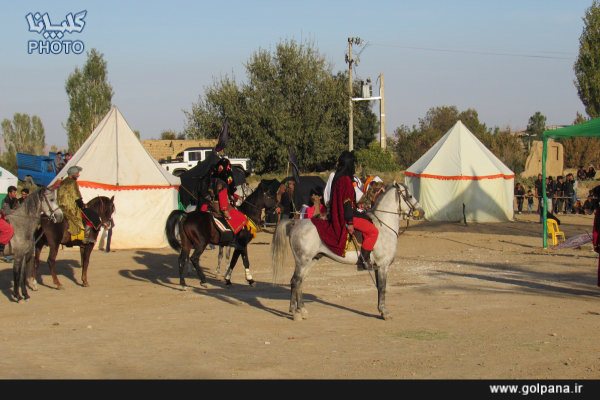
x,y
394,204
25,220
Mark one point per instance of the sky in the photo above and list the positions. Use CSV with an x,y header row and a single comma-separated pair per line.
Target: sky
x,y
506,59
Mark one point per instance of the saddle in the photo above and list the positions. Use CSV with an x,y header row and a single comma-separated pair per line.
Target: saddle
x,y
226,234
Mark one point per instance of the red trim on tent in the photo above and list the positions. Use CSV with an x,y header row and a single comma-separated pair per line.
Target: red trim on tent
x,y
459,177
96,185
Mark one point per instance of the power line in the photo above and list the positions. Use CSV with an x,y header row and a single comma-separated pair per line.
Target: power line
x,y
487,53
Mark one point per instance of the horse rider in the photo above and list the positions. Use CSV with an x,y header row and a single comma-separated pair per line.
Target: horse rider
x,y
71,202
343,220
223,191
286,206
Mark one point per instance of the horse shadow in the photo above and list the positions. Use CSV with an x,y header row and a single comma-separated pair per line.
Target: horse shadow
x,y
66,267
162,270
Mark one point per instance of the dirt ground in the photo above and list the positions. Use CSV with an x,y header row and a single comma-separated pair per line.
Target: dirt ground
x,y
468,302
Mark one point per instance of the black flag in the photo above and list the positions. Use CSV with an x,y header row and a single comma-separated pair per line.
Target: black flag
x,y
294,163
223,137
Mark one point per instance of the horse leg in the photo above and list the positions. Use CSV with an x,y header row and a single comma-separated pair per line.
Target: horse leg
x,y
234,258
34,271
183,256
196,263
17,267
297,302
219,259
246,261
85,251
52,265
381,280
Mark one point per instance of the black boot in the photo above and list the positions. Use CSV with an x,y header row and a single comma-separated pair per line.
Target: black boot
x,y
365,262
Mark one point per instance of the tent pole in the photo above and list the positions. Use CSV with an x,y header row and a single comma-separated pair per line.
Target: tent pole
x,y
544,210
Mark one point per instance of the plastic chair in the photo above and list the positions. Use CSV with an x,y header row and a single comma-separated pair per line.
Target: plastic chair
x,y
554,232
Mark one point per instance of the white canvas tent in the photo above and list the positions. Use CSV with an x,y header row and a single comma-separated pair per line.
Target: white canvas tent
x,y
6,179
459,170
116,164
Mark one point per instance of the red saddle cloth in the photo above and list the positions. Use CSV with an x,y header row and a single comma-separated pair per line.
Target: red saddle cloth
x,y
6,231
237,221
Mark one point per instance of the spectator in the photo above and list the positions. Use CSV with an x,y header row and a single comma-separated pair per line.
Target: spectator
x,y
581,174
59,162
559,194
538,191
591,173
24,194
520,195
588,205
570,192
67,157
529,197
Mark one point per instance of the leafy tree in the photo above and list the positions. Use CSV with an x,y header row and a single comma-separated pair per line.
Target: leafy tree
x,y
291,99
536,125
375,159
170,134
509,149
90,97
23,134
587,66
581,150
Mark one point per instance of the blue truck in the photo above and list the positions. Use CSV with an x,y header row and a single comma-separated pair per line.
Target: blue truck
x,y
41,168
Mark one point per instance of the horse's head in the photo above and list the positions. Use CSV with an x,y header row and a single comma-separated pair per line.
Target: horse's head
x,y
104,207
49,204
409,207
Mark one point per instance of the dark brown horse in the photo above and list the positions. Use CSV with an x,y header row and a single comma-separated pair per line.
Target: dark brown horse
x,y
54,234
195,230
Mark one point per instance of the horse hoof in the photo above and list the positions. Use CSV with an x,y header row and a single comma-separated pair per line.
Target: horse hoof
x,y
183,288
251,282
304,313
61,287
297,316
85,284
227,282
386,316
203,284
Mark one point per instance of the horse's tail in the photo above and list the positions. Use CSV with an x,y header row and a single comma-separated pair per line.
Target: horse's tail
x,y
171,229
279,248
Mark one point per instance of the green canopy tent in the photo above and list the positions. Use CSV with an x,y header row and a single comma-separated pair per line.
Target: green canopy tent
x,y
588,129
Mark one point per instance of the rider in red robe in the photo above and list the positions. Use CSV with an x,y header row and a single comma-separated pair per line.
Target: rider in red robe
x,y
224,187
342,218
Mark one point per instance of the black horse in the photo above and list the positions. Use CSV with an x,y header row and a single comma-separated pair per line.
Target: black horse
x,y
195,230
54,234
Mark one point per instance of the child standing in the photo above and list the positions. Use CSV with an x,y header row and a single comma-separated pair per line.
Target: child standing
x,y
529,201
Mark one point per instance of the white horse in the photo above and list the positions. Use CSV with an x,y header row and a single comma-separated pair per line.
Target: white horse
x,y
395,204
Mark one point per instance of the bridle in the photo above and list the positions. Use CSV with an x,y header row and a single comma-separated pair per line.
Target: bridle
x,y
52,211
401,191
107,224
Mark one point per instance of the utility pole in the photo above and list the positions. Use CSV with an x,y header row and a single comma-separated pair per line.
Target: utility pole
x,y
350,61
382,134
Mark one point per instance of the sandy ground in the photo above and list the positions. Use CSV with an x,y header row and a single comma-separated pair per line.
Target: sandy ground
x,y
477,301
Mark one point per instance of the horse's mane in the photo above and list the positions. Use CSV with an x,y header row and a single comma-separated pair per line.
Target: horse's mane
x,y
379,198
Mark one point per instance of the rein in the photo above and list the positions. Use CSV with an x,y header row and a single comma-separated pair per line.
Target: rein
x,y
410,205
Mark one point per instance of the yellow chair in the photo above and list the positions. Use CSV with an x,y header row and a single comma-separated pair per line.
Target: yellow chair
x,y
554,232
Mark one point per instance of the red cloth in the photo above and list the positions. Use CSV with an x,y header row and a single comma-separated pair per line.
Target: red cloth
x,y
596,238
333,232
310,211
238,219
6,231
370,233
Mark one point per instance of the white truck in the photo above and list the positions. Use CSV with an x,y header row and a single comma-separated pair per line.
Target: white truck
x,y
188,159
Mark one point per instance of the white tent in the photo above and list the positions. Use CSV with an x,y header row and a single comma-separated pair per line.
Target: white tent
x,y
116,164
6,179
459,171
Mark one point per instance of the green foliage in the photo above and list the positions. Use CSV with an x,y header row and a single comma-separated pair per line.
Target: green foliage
x,y
581,150
170,134
291,99
90,97
509,149
536,125
23,134
587,66
374,159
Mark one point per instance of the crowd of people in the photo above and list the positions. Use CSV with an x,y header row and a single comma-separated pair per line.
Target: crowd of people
x,y
560,192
